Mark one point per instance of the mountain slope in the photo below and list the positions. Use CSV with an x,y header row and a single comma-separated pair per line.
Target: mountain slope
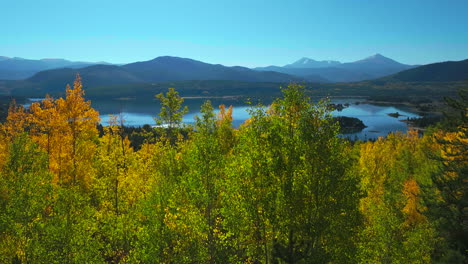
x,y
335,74
306,74
168,68
321,75
376,66
92,75
19,68
449,71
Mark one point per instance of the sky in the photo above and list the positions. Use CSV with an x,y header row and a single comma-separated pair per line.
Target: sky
x,y
248,33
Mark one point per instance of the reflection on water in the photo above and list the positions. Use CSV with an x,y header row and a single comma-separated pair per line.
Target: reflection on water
x,y
375,118
138,113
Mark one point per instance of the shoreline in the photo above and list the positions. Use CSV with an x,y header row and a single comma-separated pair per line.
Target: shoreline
x,y
411,106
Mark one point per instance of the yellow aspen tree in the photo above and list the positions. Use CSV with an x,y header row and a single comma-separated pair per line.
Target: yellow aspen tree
x,y
225,132
16,123
80,134
412,209
47,130
17,120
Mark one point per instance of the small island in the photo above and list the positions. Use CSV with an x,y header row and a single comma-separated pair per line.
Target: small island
x,y
349,125
396,114
338,107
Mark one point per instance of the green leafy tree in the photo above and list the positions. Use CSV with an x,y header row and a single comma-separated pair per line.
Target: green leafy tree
x,y
297,192
160,240
117,188
25,193
171,112
203,181
396,229
449,206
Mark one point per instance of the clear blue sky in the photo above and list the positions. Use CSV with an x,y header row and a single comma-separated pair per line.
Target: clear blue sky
x,y
235,32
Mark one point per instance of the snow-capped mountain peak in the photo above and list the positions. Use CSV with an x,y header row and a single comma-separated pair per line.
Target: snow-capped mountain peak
x,y
311,63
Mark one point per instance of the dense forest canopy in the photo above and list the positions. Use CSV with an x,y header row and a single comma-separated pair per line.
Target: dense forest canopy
x,y
283,188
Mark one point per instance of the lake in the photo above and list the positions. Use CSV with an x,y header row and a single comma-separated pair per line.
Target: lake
x,y
375,117
138,113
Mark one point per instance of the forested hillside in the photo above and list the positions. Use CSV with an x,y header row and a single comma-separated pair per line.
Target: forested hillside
x,y
283,188
448,71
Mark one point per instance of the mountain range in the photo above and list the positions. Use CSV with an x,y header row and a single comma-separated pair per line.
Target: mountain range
x,y
160,69
168,68
171,69
369,68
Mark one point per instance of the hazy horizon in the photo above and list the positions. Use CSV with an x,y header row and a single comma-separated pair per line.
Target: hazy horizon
x,y
120,63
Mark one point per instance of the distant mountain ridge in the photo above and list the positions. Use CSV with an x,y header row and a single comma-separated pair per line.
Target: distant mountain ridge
x,y
175,69
160,69
372,67
133,80
18,68
168,68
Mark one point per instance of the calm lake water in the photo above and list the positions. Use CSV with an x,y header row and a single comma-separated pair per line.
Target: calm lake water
x,y
375,118
138,113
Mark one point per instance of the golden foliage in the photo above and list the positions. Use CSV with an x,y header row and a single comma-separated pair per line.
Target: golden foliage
x,y
224,116
65,128
412,209
17,121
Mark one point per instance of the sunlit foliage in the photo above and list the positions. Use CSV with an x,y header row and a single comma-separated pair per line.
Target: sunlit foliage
x,y
283,188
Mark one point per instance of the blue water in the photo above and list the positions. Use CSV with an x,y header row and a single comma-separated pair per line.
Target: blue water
x,y
375,118
139,113
239,114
